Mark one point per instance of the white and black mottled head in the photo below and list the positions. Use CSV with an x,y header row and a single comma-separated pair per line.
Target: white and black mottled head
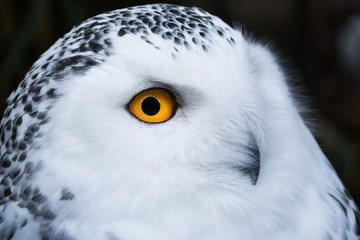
x,y
232,160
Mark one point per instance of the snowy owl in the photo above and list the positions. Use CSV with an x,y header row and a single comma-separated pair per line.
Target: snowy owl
x,y
163,122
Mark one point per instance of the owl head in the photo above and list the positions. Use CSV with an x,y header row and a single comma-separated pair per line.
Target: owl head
x,y
151,114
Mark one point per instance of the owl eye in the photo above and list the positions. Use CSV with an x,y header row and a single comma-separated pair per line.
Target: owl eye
x,y
153,105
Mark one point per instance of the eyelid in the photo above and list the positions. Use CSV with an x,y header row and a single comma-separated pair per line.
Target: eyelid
x,y
170,88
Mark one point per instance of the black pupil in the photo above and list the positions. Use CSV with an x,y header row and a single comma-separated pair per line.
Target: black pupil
x,y
150,106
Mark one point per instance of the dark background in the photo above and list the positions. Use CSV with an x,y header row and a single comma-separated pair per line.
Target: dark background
x,y
317,38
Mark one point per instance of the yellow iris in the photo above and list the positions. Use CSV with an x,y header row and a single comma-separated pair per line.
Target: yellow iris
x,y
153,105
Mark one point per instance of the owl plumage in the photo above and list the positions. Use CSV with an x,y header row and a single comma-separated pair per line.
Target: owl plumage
x,y
233,160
